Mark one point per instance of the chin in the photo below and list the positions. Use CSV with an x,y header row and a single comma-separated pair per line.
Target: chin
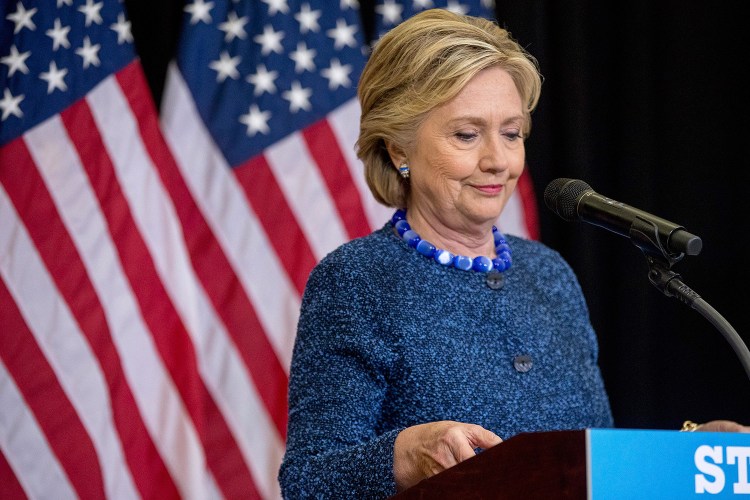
x,y
486,216
492,211
483,211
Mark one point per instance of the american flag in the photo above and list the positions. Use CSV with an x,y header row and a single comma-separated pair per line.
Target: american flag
x,y
150,281
104,385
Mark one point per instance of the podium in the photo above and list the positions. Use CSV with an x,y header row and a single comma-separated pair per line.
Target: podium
x,y
599,464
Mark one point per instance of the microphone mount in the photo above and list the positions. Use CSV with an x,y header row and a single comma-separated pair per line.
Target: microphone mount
x,y
645,235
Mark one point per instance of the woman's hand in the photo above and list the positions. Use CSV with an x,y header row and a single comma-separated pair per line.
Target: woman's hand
x,y
424,450
722,426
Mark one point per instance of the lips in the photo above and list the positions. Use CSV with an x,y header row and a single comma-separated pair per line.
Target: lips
x,y
489,188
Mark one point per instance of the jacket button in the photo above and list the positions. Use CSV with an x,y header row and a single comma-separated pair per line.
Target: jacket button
x,y
523,363
495,279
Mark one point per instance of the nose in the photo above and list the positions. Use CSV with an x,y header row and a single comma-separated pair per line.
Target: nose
x,y
495,155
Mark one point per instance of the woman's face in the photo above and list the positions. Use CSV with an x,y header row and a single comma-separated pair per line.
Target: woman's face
x,y
469,153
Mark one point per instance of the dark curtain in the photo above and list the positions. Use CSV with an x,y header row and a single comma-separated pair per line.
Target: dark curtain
x,y
646,102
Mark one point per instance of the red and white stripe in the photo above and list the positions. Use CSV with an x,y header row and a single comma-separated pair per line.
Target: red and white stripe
x,y
122,374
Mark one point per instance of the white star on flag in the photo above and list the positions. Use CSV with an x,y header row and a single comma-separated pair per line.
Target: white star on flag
x,y
343,35
234,27
22,18
298,97
10,105
199,11
92,12
276,6
270,40
122,28
16,61
338,75
225,67
457,7
256,121
303,58
59,35
423,4
263,80
90,53
391,11
54,78
308,19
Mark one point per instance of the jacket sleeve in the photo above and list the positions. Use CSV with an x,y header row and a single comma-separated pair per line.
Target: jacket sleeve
x,y
338,380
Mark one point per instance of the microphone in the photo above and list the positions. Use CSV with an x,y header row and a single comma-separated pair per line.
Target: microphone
x,y
573,199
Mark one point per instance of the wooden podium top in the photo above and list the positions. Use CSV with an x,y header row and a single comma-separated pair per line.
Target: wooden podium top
x,y
541,465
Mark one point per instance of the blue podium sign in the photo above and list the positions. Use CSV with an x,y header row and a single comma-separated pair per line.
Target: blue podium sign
x,y
643,464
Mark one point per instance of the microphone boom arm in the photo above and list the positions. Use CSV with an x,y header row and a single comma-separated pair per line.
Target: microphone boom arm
x,y
668,282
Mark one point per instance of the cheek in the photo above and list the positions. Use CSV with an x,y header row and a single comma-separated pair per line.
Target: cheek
x,y
454,167
517,164
444,171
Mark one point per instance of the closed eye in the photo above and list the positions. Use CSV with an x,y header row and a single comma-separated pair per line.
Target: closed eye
x,y
466,136
513,135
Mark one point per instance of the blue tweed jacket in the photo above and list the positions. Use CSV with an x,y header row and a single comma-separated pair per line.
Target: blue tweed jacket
x,y
388,339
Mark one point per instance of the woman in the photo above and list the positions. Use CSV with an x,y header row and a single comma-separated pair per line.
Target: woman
x,y
425,341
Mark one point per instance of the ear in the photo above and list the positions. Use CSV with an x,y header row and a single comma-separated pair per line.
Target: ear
x,y
398,157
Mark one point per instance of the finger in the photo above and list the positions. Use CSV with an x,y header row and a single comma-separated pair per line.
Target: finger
x,y
471,438
462,450
480,437
723,426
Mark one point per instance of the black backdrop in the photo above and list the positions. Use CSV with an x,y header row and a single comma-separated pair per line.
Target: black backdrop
x,y
646,102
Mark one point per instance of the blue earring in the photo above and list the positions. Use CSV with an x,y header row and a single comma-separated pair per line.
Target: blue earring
x,y
404,170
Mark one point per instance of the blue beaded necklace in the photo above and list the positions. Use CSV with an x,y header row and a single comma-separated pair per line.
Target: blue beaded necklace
x,y
480,264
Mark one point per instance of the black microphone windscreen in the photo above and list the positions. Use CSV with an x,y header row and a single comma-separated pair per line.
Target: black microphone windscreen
x,y
562,195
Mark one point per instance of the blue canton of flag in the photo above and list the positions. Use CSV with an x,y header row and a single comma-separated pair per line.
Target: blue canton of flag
x,y
53,53
274,67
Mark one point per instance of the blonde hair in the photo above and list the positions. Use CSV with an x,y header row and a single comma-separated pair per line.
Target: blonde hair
x,y
420,64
